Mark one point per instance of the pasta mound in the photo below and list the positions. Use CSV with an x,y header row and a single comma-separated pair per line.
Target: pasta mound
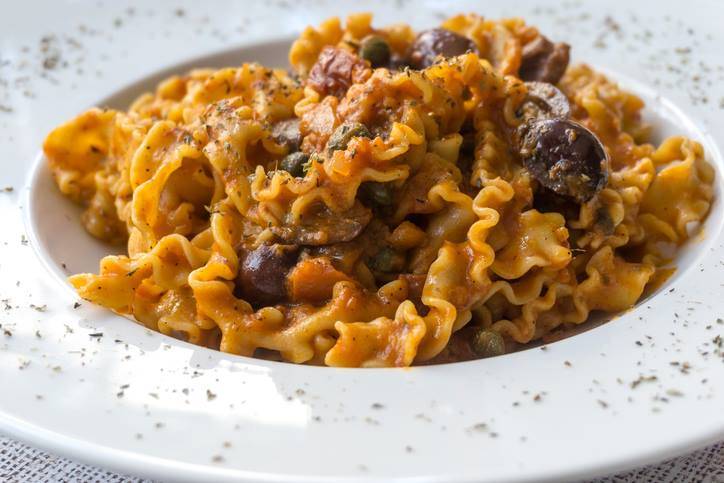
x,y
377,205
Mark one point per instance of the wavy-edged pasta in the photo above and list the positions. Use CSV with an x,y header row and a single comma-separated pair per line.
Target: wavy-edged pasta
x,y
398,198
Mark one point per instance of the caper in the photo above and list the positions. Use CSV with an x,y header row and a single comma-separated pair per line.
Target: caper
x,y
375,193
293,163
487,343
375,50
343,135
387,260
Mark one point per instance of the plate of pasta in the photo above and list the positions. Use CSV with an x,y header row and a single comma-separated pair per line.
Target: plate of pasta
x,y
466,247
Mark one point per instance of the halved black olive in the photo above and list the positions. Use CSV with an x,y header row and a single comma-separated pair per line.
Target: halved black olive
x,y
544,101
434,43
542,60
286,133
564,157
263,273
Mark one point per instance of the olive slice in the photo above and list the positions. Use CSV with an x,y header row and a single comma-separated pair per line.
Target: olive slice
x,y
286,133
564,157
544,101
438,42
542,60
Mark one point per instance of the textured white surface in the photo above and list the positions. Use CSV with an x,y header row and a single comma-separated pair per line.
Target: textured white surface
x,y
122,405
20,463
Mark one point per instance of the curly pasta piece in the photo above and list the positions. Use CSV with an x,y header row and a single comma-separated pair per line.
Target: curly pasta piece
x,y
613,284
541,241
77,149
682,191
382,342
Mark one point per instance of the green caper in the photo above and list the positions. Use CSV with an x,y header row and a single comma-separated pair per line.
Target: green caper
x,y
293,163
487,343
344,134
375,193
375,50
388,260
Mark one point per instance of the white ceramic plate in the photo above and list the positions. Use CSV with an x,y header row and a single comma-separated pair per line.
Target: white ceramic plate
x,y
93,386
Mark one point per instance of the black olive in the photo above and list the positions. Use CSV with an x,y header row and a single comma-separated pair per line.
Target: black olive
x,y
542,60
343,135
564,157
263,274
286,133
487,343
544,101
294,163
380,194
375,50
434,43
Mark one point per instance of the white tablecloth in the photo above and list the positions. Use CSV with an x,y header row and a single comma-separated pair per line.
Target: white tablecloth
x,y
20,463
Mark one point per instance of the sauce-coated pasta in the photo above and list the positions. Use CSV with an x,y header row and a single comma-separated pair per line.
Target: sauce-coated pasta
x,y
396,198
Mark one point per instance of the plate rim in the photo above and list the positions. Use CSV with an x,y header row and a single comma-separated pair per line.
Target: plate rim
x,y
111,457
